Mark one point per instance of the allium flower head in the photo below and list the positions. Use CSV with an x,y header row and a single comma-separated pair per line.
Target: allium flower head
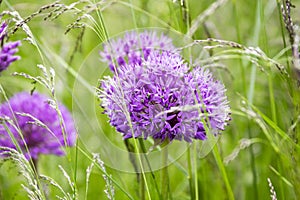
x,y
133,48
39,124
161,98
7,49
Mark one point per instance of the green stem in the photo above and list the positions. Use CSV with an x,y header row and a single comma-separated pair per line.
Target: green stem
x,y
280,168
190,175
253,165
251,150
135,140
272,99
141,165
256,35
143,148
223,171
165,175
75,166
196,172
143,193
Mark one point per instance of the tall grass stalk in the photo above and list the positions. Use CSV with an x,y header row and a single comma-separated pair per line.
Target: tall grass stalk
x,y
48,81
75,164
200,18
143,184
276,117
250,96
223,172
15,124
282,31
142,166
191,160
271,93
33,187
104,172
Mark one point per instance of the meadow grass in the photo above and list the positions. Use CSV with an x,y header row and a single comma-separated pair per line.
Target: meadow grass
x,y
251,46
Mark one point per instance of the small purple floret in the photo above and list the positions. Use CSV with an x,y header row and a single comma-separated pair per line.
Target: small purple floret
x,y
39,124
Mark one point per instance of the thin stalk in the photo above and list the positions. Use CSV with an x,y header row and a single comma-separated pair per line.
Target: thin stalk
x,y
238,34
270,78
223,171
135,141
153,17
282,28
142,192
164,174
102,25
190,174
280,168
242,67
272,99
251,93
142,165
185,15
107,175
133,15
32,162
142,145
172,10
282,32
75,166
196,172
252,159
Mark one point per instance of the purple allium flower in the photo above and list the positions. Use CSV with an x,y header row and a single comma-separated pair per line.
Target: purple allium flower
x,y
39,124
7,49
161,98
133,48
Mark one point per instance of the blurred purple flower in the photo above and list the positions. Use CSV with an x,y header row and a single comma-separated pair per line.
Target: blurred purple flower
x,y
7,49
133,48
161,98
39,124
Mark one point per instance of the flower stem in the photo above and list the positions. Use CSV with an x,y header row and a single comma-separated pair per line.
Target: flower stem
x,y
190,172
143,149
142,167
223,171
165,175
195,172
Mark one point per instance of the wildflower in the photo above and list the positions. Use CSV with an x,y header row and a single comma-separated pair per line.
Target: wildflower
x,y
163,99
133,48
39,124
7,49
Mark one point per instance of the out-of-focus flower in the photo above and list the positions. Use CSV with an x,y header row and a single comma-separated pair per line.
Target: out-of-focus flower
x,y
163,99
8,50
39,124
133,48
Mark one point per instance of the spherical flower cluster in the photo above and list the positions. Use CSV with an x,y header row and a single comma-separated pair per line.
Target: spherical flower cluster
x,y
133,48
35,125
162,98
8,50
